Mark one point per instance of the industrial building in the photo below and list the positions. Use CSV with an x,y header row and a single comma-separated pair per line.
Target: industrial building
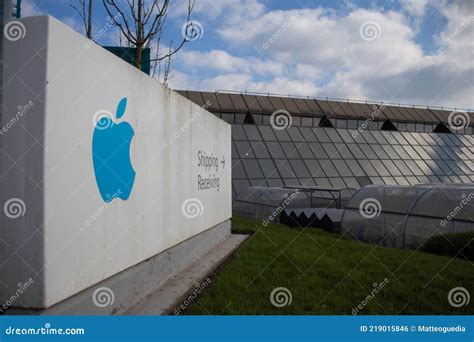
x,y
340,143
380,173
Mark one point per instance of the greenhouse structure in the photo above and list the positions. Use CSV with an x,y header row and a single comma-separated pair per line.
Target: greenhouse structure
x,y
377,172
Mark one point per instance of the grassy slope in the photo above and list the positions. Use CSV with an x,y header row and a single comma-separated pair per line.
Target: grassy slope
x,y
328,274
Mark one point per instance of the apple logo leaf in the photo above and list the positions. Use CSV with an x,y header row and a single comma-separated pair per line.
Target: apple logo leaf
x,y
121,108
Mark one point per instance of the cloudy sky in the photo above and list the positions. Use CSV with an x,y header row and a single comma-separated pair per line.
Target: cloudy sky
x,y
403,51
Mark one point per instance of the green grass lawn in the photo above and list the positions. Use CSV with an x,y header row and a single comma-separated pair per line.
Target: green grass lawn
x,y
330,274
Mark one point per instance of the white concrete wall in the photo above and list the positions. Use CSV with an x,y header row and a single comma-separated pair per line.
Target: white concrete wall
x,y
47,163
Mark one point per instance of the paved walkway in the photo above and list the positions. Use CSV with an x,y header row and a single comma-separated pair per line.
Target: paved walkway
x,y
186,285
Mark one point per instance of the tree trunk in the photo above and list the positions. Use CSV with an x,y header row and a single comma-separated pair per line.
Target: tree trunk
x,y
138,56
139,44
89,21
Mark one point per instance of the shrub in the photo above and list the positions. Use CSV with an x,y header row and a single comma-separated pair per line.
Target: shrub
x,y
453,244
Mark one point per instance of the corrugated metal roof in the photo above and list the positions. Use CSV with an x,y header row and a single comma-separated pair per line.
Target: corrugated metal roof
x,y
265,104
303,106
252,104
239,103
225,103
210,101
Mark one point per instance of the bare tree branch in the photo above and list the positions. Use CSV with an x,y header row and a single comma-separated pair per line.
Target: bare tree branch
x,y
126,31
141,24
87,21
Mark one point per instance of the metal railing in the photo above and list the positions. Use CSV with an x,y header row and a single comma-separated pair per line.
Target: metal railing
x,y
245,92
334,193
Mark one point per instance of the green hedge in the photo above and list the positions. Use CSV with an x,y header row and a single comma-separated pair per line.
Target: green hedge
x,y
452,244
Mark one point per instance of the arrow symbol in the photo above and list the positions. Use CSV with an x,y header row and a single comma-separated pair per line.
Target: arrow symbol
x,y
223,161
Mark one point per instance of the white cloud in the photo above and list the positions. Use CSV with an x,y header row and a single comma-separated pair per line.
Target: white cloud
x,y
415,7
233,10
242,82
283,85
227,82
222,61
307,71
181,80
317,38
74,23
323,54
28,8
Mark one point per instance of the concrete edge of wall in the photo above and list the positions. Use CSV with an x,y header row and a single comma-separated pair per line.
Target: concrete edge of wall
x,y
57,181
117,293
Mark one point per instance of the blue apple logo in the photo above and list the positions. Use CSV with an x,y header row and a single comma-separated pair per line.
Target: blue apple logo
x,y
113,169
